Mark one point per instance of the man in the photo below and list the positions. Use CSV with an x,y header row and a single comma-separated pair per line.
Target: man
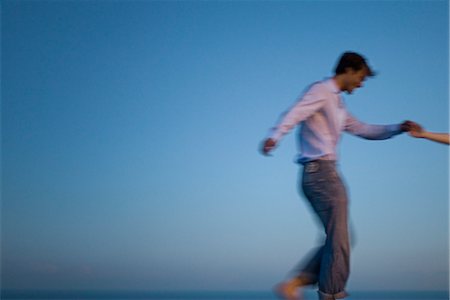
x,y
322,115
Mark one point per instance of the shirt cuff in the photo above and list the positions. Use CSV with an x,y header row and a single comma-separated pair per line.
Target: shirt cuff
x,y
395,129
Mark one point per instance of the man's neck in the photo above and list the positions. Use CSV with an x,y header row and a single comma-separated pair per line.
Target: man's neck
x,y
339,80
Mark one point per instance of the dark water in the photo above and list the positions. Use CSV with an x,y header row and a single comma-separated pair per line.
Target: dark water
x,y
210,295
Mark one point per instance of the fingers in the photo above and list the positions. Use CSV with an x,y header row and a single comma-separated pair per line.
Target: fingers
x,y
414,129
411,126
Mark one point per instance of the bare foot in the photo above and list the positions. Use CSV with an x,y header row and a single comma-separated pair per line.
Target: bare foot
x,y
289,290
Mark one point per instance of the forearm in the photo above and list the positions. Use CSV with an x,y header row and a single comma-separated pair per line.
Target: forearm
x,y
370,131
436,137
375,132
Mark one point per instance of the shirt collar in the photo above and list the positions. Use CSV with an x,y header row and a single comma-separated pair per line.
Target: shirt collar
x,y
331,84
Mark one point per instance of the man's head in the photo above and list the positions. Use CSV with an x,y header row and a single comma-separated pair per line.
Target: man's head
x,y
351,70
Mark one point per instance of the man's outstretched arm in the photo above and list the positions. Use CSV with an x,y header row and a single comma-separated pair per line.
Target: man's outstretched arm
x,y
376,132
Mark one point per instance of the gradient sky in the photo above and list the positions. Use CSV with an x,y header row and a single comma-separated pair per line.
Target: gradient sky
x,y
130,134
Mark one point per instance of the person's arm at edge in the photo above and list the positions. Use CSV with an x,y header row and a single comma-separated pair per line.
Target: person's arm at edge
x,y
443,138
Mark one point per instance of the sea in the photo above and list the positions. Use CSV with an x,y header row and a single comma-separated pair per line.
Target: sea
x,y
211,295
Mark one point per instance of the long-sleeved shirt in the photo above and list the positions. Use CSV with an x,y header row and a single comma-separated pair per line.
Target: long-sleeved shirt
x,y
323,116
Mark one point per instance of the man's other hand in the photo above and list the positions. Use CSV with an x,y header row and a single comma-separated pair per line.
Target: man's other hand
x,y
267,146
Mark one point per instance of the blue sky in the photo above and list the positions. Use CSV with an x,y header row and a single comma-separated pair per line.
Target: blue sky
x,y
130,134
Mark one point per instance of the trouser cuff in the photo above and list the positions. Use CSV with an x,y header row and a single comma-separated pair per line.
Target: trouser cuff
x,y
325,296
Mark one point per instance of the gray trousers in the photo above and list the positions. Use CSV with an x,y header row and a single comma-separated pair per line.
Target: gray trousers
x,y
329,266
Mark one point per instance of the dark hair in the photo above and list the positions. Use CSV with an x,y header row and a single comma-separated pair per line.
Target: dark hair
x,y
354,61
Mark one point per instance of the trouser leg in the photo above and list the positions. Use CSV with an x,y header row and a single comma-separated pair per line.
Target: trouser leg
x,y
330,264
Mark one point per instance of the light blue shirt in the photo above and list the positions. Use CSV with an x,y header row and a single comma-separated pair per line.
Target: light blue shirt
x,y
323,116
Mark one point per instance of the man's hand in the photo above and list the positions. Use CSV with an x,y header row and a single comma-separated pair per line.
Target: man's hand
x,y
267,146
411,126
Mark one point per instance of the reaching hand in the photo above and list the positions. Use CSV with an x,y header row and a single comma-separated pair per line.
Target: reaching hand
x,y
411,127
415,130
443,138
418,133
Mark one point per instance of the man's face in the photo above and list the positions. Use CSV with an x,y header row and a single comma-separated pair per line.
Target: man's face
x,y
355,79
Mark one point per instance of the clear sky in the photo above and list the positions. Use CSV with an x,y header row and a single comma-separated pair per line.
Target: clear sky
x,y
130,135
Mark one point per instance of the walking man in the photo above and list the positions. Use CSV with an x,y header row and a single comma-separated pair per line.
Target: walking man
x,y
322,117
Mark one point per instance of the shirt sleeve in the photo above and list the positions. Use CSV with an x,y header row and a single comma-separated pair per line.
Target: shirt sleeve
x,y
370,132
307,105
